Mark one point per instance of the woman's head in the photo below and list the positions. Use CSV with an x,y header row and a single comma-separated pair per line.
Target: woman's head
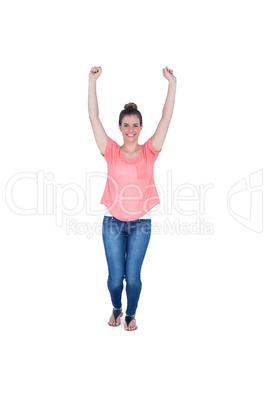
x,y
130,109
130,123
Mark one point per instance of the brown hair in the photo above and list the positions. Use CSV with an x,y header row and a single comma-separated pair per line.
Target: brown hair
x,y
130,109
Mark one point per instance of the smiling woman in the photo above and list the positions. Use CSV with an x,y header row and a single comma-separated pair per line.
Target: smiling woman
x,y
130,125
129,195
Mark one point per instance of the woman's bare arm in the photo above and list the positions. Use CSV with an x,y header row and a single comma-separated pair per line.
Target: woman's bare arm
x,y
160,134
99,133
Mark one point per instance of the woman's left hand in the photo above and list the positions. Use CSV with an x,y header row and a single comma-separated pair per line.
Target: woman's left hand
x,y
168,74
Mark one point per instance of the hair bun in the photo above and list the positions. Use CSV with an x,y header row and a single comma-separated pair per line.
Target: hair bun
x,y
131,105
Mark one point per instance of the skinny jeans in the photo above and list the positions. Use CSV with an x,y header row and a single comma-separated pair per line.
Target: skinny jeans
x,y
125,244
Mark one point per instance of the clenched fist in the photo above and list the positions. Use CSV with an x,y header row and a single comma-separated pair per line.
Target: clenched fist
x,y
95,72
168,74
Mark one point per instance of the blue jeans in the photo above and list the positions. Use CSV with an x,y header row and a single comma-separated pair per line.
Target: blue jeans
x,y
125,244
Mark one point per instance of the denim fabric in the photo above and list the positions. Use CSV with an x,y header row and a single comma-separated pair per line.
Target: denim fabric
x,y
125,244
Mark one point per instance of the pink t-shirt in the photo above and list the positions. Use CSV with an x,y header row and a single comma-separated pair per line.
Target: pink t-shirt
x,y
130,190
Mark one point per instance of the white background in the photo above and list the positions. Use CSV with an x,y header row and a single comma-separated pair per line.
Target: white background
x,y
202,314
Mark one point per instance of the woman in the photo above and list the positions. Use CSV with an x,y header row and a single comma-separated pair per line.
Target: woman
x,y
129,195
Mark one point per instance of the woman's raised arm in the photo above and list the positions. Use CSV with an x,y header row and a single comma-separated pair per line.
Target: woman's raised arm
x,y
160,134
99,133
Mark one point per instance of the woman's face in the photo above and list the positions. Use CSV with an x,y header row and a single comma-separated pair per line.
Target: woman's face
x,y
130,128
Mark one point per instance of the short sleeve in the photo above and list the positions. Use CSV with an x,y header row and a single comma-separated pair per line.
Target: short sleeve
x,y
109,149
151,149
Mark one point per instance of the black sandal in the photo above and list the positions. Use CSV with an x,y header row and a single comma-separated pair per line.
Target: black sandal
x,y
128,320
116,313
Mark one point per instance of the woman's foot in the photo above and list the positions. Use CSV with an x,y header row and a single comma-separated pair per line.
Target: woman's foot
x,y
132,324
115,322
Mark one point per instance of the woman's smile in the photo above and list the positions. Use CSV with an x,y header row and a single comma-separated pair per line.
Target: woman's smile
x,y
130,126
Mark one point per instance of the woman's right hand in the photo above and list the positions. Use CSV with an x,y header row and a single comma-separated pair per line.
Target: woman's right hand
x,y
95,72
